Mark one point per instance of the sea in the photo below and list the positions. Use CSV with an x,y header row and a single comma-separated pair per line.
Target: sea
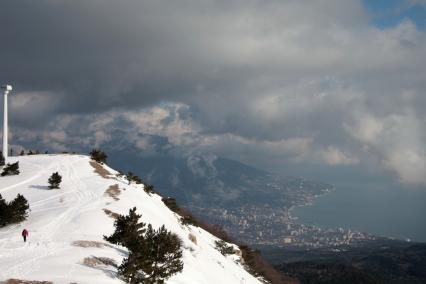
x,y
383,209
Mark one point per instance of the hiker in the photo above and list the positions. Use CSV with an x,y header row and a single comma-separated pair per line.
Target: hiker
x,y
25,234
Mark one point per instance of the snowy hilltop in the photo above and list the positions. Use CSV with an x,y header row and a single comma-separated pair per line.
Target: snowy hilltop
x,y
66,227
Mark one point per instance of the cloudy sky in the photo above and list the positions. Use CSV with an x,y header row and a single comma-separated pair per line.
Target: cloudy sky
x,y
330,85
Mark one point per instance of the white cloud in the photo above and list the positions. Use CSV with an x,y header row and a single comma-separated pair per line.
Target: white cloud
x,y
165,121
367,128
280,81
397,140
409,164
334,157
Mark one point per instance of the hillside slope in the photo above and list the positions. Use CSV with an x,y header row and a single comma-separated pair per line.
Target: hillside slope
x,y
66,226
240,198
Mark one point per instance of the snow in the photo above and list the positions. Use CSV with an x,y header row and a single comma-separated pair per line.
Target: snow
x,y
75,213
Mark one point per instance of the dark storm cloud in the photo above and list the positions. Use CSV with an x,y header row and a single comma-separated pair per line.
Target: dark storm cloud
x,y
93,54
259,80
100,54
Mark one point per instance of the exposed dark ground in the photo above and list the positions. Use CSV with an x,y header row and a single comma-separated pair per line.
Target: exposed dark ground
x,y
376,262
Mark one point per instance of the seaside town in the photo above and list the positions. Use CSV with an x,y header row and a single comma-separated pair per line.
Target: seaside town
x,y
270,226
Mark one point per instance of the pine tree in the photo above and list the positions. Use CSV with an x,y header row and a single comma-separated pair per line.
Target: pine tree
x,y
98,156
171,203
154,255
18,209
13,212
11,169
129,269
4,212
133,178
165,257
2,161
224,248
54,180
157,257
127,230
149,188
129,176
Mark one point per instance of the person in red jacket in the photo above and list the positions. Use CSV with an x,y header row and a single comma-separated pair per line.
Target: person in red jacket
x,y
25,234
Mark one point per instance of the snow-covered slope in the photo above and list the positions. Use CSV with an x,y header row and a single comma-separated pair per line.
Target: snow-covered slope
x,y
66,227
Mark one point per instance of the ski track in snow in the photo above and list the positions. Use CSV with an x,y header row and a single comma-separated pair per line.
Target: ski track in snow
x,y
20,183
44,237
74,212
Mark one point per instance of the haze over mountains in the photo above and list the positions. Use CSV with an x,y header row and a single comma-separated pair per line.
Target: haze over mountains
x,y
252,205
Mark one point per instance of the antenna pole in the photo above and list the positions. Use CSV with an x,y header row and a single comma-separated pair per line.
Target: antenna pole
x,y
5,130
6,89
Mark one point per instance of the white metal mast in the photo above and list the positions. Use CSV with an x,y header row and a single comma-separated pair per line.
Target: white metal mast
x,y
6,89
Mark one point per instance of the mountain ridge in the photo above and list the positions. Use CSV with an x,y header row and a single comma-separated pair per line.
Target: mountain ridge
x,y
67,225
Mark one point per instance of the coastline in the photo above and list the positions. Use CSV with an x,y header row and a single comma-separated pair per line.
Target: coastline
x,y
367,222
311,202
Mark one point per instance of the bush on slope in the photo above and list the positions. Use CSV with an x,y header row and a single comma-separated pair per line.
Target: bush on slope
x,y
11,169
98,156
55,180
